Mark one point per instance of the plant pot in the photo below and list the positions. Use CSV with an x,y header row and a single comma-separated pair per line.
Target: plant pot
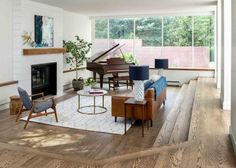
x,y
87,88
78,84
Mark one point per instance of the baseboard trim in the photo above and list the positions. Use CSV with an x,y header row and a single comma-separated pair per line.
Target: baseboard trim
x,y
226,105
232,138
4,106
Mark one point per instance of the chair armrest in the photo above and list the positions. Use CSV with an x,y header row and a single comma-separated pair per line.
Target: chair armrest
x,y
39,101
150,93
38,94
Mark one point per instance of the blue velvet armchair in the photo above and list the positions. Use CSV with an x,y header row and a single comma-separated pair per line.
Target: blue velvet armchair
x,y
36,107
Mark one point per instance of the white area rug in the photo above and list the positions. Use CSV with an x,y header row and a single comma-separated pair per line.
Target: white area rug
x,y
70,118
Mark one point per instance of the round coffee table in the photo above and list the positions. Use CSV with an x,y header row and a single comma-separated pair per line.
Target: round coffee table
x,y
92,93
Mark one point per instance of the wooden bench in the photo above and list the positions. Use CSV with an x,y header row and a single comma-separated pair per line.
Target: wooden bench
x,y
115,81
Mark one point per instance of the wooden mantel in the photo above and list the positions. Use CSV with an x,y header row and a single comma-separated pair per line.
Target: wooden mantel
x,y
40,51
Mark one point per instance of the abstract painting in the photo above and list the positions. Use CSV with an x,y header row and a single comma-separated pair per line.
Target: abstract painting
x,y
44,31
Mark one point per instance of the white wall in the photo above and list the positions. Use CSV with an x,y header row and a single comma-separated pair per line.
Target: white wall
x,y
6,66
75,24
184,76
6,56
233,82
218,43
226,55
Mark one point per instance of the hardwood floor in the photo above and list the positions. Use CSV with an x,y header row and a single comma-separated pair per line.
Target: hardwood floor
x,y
208,144
73,143
41,145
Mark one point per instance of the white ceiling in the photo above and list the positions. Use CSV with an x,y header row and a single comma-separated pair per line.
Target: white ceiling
x,y
129,7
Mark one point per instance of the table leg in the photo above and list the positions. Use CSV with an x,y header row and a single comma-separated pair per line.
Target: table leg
x,y
143,122
94,108
103,101
78,101
125,119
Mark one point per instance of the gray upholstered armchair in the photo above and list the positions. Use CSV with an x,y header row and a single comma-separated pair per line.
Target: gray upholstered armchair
x,y
36,107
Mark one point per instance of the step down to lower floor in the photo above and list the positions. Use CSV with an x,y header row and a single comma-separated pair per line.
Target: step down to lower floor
x,y
168,126
181,128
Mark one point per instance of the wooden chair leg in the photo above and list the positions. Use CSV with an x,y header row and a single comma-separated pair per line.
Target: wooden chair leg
x,y
19,113
55,112
28,119
114,84
54,109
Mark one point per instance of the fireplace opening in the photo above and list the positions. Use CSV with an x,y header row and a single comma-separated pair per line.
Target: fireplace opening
x,y
44,78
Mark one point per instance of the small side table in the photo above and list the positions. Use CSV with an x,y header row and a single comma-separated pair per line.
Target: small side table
x,y
15,104
131,102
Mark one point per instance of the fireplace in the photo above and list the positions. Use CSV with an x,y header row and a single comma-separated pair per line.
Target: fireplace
x,y
44,78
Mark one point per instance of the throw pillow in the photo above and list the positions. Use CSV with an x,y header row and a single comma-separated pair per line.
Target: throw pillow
x,y
154,78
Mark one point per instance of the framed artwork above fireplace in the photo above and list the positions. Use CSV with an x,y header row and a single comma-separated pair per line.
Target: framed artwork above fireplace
x,y
43,31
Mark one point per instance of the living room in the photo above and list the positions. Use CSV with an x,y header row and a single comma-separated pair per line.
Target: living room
x,y
131,117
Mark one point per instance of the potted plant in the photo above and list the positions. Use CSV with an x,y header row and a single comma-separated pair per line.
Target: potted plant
x,y
78,49
89,83
129,57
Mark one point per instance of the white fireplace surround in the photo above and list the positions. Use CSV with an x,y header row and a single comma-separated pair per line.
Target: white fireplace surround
x,y
23,20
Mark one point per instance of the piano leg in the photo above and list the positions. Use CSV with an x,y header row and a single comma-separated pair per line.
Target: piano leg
x,y
94,76
101,81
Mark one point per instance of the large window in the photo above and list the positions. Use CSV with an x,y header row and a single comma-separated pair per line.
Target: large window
x,y
177,31
121,28
101,29
100,36
187,41
122,31
177,41
149,30
203,40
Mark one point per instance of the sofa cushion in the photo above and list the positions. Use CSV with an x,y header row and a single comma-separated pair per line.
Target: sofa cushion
x,y
159,86
42,105
147,84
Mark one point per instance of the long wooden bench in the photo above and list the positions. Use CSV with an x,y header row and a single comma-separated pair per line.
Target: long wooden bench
x,y
115,81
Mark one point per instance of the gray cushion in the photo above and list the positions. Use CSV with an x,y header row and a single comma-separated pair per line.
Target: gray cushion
x,y
42,105
25,98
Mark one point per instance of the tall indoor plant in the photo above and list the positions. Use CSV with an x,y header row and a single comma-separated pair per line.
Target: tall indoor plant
x,y
78,49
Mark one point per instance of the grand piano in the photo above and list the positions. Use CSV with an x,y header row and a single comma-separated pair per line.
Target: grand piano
x,y
112,65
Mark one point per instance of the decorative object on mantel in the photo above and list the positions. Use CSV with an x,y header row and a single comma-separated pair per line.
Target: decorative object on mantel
x,y
27,39
78,50
40,51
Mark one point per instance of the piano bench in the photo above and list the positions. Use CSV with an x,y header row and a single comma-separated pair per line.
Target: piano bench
x,y
115,81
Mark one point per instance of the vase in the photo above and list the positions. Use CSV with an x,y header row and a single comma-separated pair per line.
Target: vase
x,y
87,88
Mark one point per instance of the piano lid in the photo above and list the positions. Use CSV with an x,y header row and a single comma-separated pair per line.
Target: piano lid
x,y
103,54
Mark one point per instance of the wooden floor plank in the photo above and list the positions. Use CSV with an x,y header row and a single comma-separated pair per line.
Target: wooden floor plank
x,y
181,128
168,126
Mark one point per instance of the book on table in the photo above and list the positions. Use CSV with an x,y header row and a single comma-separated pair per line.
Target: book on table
x,y
95,91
